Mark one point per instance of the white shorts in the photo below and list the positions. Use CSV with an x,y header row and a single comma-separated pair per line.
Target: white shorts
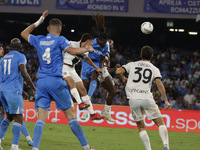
x,y
105,74
70,71
148,106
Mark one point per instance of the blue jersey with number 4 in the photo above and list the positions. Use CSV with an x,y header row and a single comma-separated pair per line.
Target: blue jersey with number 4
x,y
12,79
50,50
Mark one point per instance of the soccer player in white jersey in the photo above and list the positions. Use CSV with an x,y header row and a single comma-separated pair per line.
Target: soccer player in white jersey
x,y
141,75
73,79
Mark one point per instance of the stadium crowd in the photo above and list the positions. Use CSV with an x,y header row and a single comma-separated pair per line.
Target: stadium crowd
x,y
180,70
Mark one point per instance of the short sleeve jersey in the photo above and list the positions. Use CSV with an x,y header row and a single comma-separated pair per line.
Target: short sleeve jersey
x,y
50,51
140,78
12,79
74,59
98,51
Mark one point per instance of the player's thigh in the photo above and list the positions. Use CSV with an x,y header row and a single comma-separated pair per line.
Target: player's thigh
x,y
151,109
136,110
69,113
59,91
75,76
14,102
108,84
42,97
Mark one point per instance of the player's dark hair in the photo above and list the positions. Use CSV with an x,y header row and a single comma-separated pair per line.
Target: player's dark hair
x,y
55,22
147,52
15,44
100,24
86,36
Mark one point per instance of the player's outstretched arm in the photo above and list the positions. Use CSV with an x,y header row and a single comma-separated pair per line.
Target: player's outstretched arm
x,y
120,72
161,88
90,62
77,51
26,33
26,76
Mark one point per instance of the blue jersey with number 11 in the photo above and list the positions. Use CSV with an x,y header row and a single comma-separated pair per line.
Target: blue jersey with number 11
x,y
50,50
12,79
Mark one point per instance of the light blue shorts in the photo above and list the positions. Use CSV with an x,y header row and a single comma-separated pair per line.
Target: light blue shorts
x,y
50,88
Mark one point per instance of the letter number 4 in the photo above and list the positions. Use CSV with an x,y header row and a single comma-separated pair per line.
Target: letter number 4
x,y
46,56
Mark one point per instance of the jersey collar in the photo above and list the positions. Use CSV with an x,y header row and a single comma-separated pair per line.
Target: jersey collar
x,y
51,35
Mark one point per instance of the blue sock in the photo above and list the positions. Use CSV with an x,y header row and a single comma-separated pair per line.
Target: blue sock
x,y
16,129
77,130
24,129
4,126
92,88
1,119
38,129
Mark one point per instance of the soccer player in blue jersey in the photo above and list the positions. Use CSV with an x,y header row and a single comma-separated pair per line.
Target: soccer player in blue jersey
x,y
50,85
13,67
101,47
24,129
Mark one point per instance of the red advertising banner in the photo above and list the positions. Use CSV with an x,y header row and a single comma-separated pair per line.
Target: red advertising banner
x,y
175,120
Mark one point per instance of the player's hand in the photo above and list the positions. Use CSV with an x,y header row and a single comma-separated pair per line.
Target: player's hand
x,y
34,93
107,62
45,14
125,80
167,105
89,48
2,111
99,70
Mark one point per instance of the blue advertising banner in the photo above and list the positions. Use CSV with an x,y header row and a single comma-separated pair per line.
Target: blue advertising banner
x,y
94,5
20,2
172,6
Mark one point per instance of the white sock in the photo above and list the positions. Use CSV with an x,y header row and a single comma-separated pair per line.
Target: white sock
x,y
76,95
14,146
0,142
85,147
145,139
87,100
28,137
164,135
34,148
107,107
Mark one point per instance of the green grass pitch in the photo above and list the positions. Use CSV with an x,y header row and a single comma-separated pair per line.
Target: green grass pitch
x,y
60,137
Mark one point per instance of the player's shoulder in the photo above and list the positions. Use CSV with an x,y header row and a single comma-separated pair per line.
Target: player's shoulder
x,y
20,54
63,39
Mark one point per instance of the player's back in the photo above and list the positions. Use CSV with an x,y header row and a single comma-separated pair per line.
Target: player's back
x,y
140,78
50,50
12,79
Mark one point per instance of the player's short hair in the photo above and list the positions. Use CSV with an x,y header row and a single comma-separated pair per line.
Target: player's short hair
x,y
86,36
15,44
146,52
55,22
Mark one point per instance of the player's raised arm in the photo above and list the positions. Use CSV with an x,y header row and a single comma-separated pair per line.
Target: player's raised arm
x,y
77,51
161,88
26,33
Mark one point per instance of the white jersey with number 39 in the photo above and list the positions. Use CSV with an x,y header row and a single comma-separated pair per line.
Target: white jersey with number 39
x,y
140,78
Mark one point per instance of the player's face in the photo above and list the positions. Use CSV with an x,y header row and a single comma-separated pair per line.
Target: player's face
x,y
102,42
90,42
1,52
